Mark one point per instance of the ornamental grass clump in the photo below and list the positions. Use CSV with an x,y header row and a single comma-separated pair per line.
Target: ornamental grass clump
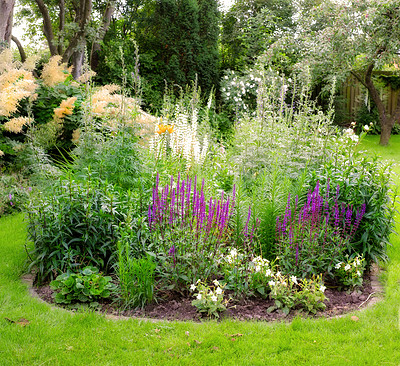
x,y
315,236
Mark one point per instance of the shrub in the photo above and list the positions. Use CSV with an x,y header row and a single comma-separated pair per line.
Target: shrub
x,y
362,179
86,285
312,238
74,225
14,193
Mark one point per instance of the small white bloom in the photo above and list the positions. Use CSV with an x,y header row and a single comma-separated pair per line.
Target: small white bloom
x,y
218,291
199,297
198,281
258,268
278,273
366,128
268,272
322,288
214,298
216,283
338,265
271,283
347,267
192,287
358,274
355,264
293,279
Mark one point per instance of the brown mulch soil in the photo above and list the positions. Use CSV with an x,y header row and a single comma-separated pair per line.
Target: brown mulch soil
x,y
178,308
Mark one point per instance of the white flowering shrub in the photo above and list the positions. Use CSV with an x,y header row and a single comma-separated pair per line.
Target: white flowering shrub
x,y
209,299
350,273
239,91
289,292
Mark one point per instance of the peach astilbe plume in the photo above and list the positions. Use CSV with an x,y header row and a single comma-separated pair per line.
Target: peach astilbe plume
x,y
55,72
66,108
15,85
15,124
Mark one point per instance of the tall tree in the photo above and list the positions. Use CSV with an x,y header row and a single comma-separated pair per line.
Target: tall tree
x,y
68,26
6,21
250,27
354,38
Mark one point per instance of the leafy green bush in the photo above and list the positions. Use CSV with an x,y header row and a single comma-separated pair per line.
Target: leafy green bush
x,y
73,225
14,193
86,285
362,179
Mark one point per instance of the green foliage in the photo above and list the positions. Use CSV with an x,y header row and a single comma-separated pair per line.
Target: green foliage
x,y
250,27
362,179
288,293
209,299
350,272
74,224
115,158
14,193
86,285
135,275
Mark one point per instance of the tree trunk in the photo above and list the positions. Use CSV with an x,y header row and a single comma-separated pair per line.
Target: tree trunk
x,y
94,57
77,63
386,130
47,27
6,21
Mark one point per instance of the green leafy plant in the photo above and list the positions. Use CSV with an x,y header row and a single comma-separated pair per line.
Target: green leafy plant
x,y
74,224
350,272
289,292
209,299
136,277
87,285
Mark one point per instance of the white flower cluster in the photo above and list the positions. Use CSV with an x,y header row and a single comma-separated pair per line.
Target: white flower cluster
x,y
206,293
183,141
233,257
279,280
349,133
355,266
261,265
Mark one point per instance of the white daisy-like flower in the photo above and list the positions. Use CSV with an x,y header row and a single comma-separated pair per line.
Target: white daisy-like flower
x,y
268,272
355,264
293,279
322,288
358,273
218,291
216,283
271,283
338,265
199,297
192,287
214,298
347,267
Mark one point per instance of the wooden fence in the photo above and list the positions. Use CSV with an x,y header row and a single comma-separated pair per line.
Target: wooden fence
x,y
355,95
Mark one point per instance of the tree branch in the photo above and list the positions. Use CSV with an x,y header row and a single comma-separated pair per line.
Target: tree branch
x,y
94,56
82,20
47,28
61,6
20,48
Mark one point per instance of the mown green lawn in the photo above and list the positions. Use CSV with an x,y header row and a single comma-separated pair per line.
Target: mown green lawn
x,y
58,337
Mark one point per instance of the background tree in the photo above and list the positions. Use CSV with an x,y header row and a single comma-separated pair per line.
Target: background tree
x,y
176,40
343,39
6,21
68,26
250,27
